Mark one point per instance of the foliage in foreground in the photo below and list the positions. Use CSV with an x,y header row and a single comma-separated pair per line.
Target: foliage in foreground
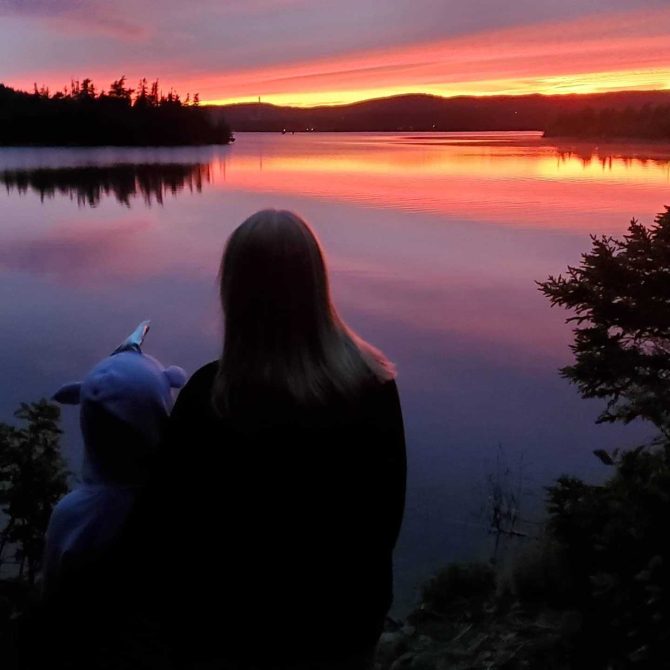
x,y
462,587
614,536
592,592
33,478
620,296
617,553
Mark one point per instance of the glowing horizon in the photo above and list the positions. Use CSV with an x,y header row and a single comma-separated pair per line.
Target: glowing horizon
x,y
552,58
597,82
593,52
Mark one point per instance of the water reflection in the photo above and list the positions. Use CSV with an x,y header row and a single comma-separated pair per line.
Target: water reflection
x,y
525,179
88,184
617,153
82,255
434,243
519,180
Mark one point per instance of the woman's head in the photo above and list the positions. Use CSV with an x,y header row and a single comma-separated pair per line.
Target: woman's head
x,y
283,336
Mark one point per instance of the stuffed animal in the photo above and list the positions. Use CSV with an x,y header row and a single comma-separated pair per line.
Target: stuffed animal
x,y
125,403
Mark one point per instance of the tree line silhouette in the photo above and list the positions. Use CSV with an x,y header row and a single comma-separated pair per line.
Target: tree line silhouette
x,y
80,115
650,122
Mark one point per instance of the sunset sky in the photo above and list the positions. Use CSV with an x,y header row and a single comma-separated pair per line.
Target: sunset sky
x,y
313,52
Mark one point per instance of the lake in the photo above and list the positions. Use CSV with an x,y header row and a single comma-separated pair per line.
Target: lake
x,y
434,243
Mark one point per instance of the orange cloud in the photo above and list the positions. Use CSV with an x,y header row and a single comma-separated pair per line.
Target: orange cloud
x,y
601,52
615,52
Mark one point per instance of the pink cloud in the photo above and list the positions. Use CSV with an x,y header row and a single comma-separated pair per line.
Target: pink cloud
x,y
295,51
71,15
617,42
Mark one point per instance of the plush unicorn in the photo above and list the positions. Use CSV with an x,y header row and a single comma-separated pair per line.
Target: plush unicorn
x,y
125,403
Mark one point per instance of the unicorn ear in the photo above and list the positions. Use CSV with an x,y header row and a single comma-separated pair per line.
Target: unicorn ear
x,y
68,394
134,341
176,376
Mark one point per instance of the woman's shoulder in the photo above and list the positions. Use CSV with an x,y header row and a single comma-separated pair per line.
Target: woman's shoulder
x,y
204,376
381,407
384,392
197,390
372,405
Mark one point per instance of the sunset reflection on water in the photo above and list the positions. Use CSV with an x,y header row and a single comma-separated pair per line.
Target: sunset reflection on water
x,y
510,178
434,244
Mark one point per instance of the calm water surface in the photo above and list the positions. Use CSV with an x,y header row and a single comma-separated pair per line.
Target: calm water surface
x,y
434,244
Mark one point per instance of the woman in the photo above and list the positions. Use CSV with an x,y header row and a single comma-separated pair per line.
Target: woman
x,y
287,466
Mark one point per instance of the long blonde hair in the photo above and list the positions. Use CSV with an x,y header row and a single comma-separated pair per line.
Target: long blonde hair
x,y
283,338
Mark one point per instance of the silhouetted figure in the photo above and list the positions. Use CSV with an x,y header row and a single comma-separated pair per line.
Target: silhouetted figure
x,y
82,621
269,530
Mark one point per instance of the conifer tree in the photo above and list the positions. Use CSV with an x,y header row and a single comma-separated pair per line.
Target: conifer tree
x,y
620,296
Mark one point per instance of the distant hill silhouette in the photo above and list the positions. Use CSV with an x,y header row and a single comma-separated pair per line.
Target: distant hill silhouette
x,y
429,112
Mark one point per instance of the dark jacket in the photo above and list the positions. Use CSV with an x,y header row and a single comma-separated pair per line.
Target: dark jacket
x,y
277,531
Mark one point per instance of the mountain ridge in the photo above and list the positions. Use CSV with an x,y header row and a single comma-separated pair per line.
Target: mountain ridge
x,y
421,112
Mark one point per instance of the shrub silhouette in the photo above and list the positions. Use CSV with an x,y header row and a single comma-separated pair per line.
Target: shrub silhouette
x,y
614,536
32,480
621,298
